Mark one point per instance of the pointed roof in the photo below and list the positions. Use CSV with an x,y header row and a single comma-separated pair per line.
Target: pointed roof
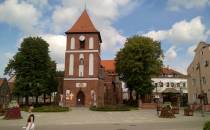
x,y
83,25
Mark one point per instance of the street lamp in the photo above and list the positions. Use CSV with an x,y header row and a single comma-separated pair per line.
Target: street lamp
x,y
181,93
157,98
157,102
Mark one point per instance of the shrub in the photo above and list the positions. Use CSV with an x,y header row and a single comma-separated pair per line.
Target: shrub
x,y
48,108
207,126
111,108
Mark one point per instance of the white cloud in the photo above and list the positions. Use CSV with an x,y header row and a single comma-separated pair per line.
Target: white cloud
x,y
182,32
60,67
208,32
176,5
171,54
62,18
19,14
182,35
112,39
9,55
103,14
57,46
37,3
191,49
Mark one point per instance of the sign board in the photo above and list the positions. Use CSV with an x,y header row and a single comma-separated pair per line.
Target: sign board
x,y
81,85
67,94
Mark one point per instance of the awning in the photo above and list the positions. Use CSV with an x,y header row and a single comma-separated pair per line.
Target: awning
x,y
170,90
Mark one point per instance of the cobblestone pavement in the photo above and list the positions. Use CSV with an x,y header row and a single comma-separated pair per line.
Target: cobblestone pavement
x,y
82,118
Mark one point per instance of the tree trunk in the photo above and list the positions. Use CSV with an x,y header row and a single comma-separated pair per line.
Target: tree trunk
x,y
130,95
50,98
18,99
44,98
26,100
37,97
137,97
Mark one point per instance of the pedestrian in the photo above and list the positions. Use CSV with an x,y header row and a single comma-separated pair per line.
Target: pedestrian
x,y
30,108
30,122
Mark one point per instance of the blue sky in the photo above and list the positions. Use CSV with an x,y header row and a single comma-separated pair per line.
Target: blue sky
x,y
178,24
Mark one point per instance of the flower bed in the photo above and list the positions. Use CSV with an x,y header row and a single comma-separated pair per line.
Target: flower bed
x,y
188,112
167,112
13,113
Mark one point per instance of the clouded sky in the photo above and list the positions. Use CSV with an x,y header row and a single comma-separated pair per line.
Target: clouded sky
x,y
178,24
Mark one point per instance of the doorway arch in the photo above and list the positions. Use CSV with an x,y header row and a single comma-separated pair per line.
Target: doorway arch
x,y
80,98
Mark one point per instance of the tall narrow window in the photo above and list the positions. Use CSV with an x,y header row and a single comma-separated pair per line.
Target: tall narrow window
x,y
82,45
81,65
72,43
91,64
91,43
71,64
82,42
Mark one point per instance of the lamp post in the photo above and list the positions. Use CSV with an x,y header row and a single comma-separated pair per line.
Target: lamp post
x,y
181,93
157,99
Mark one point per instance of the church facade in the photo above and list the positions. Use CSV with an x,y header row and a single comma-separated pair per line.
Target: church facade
x,y
86,81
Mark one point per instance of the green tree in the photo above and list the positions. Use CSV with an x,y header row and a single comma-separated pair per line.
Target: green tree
x,y
137,62
32,66
52,83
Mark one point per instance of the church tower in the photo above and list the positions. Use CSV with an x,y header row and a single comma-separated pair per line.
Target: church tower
x,y
82,81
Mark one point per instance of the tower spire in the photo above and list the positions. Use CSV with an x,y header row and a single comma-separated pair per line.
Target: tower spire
x,y
85,4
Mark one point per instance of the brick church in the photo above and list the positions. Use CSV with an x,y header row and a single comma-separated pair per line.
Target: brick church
x,y
88,80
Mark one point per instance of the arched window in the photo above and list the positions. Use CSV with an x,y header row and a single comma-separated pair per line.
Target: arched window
x,y
71,64
91,43
81,65
91,64
81,61
72,45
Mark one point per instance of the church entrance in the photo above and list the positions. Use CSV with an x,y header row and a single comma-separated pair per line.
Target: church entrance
x,y
80,98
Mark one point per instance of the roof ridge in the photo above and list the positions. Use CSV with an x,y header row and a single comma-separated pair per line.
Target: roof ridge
x,y
83,24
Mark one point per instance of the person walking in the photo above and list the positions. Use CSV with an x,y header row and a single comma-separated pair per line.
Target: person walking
x,y
30,122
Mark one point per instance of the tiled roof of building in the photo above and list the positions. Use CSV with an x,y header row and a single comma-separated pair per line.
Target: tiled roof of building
x,y
1,81
83,24
12,79
108,64
169,71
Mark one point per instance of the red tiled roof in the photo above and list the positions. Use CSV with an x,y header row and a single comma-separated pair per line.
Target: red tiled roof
x,y
83,24
2,80
108,64
168,71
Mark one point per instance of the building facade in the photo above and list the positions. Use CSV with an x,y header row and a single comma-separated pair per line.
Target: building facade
x,y
113,93
171,86
199,75
4,93
87,80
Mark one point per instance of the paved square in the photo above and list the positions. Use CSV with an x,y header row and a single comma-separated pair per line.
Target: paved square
x,y
83,118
